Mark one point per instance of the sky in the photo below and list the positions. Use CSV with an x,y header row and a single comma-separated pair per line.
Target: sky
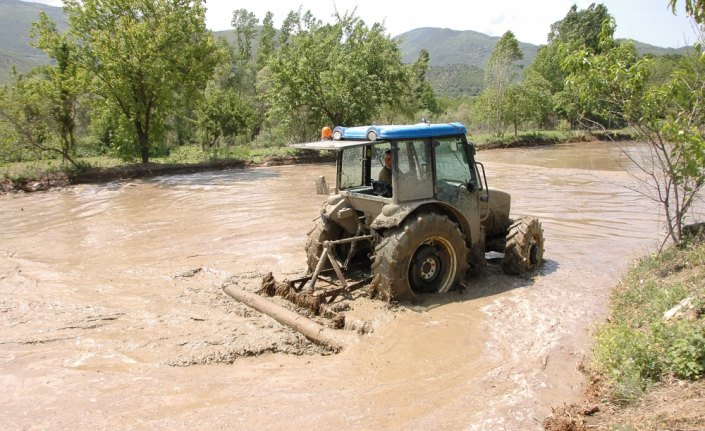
x,y
648,21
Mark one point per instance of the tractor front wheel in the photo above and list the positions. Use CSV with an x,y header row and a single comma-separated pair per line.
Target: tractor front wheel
x,y
523,251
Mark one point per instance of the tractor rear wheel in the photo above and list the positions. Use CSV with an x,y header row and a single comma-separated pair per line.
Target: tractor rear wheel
x,y
523,251
427,254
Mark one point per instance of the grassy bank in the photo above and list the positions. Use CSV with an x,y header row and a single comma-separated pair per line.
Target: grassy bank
x,y
648,365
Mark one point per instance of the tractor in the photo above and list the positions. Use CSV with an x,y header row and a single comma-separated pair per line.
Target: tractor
x,y
420,229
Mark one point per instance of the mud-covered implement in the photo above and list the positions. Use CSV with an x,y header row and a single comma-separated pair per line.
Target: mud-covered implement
x,y
328,256
334,276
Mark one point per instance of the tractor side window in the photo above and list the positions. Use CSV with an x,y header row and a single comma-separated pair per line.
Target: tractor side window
x,y
414,178
352,168
452,162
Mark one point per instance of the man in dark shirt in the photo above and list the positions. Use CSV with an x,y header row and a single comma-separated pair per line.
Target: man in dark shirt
x,y
385,175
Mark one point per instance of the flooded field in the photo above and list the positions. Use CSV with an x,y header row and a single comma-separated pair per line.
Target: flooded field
x,y
112,313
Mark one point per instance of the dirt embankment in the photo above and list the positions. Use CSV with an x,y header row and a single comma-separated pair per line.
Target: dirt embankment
x,y
93,175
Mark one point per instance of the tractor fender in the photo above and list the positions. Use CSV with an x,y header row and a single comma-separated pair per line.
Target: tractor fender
x,y
393,215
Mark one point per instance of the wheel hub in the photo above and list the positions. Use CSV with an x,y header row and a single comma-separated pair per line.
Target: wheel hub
x,y
429,268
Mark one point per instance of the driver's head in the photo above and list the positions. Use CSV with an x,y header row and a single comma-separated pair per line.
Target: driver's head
x,y
388,159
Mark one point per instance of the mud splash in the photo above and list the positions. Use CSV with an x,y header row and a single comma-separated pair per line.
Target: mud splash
x,y
108,293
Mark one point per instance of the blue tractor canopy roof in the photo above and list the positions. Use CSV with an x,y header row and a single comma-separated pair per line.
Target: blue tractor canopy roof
x,y
409,131
343,137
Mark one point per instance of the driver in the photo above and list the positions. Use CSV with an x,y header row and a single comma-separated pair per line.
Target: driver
x,y
385,175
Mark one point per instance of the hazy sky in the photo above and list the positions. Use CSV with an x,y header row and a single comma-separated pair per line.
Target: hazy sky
x,y
648,21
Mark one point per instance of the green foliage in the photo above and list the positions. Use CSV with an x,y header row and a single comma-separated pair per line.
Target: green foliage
x,y
687,355
612,86
495,106
145,57
580,29
31,110
638,346
223,113
694,8
337,74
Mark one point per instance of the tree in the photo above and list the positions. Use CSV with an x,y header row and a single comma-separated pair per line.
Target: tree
x,y
223,113
28,119
500,73
266,40
694,8
614,84
63,82
343,73
419,96
145,57
244,23
578,29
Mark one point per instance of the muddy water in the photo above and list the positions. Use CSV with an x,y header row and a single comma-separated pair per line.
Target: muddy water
x,y
112,313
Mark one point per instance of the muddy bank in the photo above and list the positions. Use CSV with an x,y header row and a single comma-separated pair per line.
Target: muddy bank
x,y
535,140
94,175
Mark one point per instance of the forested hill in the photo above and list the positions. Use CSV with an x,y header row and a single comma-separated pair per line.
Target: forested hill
x,y
470,48
16,18
457,57
448,47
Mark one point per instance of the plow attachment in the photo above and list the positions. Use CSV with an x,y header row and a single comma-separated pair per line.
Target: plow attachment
x,y
305,293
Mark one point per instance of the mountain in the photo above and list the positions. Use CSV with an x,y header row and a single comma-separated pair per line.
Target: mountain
x,y
457,57
16,18
448,47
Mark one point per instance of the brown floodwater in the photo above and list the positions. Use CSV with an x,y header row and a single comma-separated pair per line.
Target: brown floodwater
x,y
112,314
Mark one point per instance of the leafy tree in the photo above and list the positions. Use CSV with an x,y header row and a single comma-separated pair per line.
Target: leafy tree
x,y
420,97
223,113
500,73
28,125
578,29
63,82
614,84
244,23
266,40
694,8
145,57
527,101
343,73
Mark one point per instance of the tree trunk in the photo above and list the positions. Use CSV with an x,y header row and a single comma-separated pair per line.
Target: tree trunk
x,y
143,137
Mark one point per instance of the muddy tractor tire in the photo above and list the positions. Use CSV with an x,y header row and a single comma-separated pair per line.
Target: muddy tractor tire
x,y
523,251
324,230
426,254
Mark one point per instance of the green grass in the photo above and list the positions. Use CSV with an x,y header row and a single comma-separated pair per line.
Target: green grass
x,y
638,347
